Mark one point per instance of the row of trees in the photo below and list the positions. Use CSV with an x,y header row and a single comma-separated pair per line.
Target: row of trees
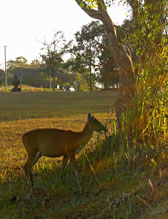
x,y
89,61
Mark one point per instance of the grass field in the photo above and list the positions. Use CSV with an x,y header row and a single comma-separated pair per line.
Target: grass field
x,y
20,106
112,188
21,112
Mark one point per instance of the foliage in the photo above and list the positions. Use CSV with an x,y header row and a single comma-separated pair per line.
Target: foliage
x,y
19,61
76,64
91,53
145,123
53,60
2,76
86,48
93,4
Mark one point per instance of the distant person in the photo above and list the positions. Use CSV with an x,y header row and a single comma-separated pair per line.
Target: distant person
x,y
16,83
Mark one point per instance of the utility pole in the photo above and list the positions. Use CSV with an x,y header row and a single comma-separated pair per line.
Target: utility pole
x,y
6,76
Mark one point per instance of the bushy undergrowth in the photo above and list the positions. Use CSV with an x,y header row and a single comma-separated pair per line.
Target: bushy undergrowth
x,y
144,124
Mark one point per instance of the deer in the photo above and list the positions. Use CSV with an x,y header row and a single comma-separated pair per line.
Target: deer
x,y
52,142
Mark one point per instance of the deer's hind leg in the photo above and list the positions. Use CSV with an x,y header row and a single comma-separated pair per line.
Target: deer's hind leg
x,y
31,161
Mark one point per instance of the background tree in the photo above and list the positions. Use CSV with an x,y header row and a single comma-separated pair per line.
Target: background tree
x,y
149,24
76,64
18,62
91,51
52,59
86,49
2,76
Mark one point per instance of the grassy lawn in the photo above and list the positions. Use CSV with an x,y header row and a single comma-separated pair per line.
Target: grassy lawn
x,y
111,188
20,106
21,112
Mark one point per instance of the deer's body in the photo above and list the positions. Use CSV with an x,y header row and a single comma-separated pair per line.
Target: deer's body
x,y
56,143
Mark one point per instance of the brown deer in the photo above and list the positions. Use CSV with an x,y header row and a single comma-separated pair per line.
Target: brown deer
x,y
52,142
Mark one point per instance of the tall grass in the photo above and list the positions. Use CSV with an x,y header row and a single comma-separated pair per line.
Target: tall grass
x,y
144,124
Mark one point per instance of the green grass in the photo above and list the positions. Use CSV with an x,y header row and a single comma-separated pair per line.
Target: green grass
x,y
112,188
19,106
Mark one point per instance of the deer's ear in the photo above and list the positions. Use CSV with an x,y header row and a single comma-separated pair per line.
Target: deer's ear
x,y
89,117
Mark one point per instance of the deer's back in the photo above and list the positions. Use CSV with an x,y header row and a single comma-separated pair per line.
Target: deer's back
x,y
51,142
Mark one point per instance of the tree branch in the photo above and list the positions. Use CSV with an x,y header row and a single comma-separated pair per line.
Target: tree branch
x,y
100,14
96,14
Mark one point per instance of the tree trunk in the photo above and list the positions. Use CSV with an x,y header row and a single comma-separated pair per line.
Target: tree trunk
x,y
105,82
50,82
53,83
121,58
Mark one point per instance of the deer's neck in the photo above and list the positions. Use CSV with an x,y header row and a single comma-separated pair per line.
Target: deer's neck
x,y
84,137
87,133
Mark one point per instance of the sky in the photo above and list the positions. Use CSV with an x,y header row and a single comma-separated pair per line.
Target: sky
x,y
26,23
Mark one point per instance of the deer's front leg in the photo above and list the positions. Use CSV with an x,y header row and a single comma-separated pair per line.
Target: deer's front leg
x,y
64,163
74,164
